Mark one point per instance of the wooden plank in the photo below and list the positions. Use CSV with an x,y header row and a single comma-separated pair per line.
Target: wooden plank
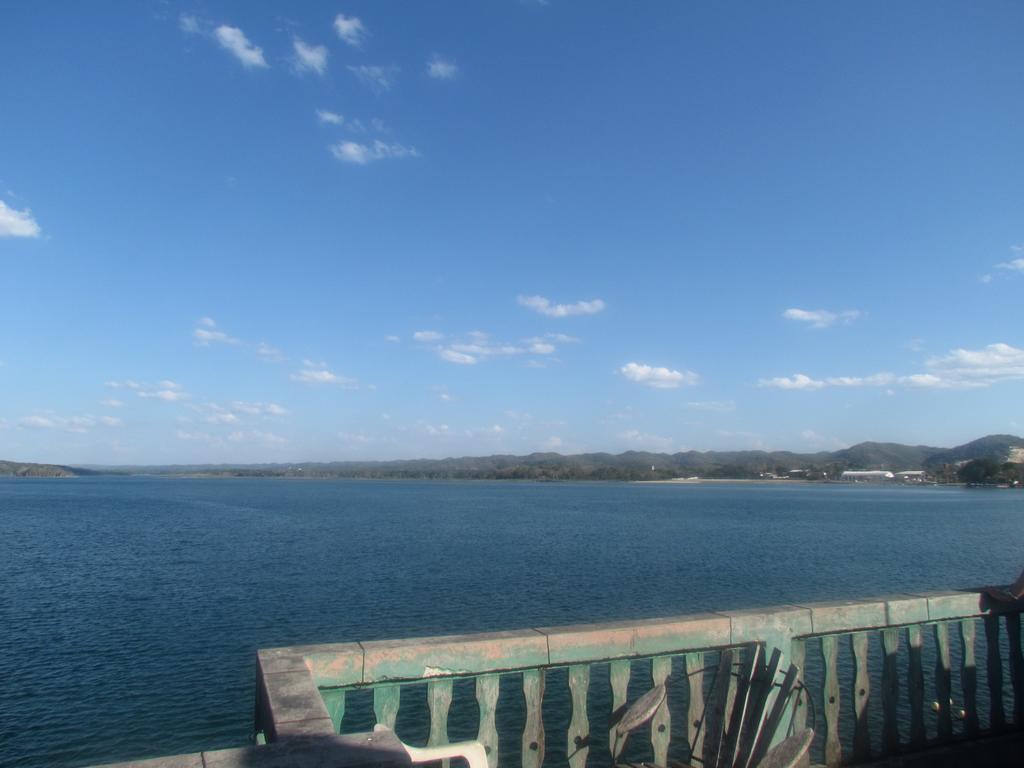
x,y
915,686
890,691
799,658
439,701
715,714
861,696
487,687
771,727
830,656
661,723
618,674
386,699
533,731
1016,666
334,700
760,695
693,664
943,683
578,746
749,668
994,669
969,677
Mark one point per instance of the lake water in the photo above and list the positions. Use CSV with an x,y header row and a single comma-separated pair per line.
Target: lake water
x,y
131,608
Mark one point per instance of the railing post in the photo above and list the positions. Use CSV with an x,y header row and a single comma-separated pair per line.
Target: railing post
x,y
661,723
439,700
386,699
487,697
943,686
994,667
578,742
693,663
915,684
533,731
890,691
969,677
830,656
1016,666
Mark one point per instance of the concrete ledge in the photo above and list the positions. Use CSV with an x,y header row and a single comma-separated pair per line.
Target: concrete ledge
x,y
427,657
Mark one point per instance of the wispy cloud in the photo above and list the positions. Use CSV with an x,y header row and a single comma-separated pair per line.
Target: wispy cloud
x,y
14,223
269,354
206,333
547,307
330,118
645,441
112,402
318,373
363,154
309,58
74,424
441,68
377,78
821,318
350,30
958,369
477,346
427,336
657,377
189,24
712,406
234,41
167,390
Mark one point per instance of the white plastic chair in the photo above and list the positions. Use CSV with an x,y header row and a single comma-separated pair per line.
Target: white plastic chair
x,y
471,751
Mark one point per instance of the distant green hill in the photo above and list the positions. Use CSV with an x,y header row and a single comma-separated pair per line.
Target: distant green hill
x,y
631,465
23,469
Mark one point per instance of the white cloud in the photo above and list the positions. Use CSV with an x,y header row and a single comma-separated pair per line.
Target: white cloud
x,y
658,378
378,79
74,424
15,223
112,403
542,348
964,368
233,40
310,58
189,24
331,118
269,354
168,395
712,406
350,29
797,381
363,154
221,417
821,318
545,307
201,437
459,358
427,336
318,373
206,333
874,380
126,384
259,409
441,68
1016,265
391,338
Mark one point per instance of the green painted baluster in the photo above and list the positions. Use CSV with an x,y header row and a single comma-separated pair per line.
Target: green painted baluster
x,y
916,687
385,704
969,677
487,698
943,686
994,667
830,655
618,673
661,723
693,664
439,699
890,691
861,696
578,746
799,656
1016,666
533,731
334,700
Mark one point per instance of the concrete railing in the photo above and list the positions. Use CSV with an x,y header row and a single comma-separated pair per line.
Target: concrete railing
x,y
520,680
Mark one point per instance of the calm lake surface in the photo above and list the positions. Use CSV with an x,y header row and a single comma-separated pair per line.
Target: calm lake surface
x,y
131,608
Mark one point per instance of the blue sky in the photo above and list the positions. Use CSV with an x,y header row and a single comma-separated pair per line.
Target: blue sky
x,y
278,232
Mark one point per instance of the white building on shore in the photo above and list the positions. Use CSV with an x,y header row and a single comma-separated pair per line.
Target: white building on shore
x,y
866,476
